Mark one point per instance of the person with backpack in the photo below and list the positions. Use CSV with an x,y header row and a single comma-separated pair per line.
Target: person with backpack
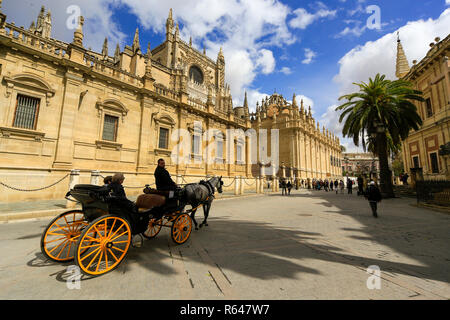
x,y
373,194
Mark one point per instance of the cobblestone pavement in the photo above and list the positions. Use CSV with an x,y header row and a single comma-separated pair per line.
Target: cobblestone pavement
x,y
311,245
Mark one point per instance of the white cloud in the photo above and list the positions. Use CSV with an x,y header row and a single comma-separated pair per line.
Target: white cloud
x,y
245,29
309,56
447,2
379,56
355,31
307,102
266,61
303,18
286,70
98,19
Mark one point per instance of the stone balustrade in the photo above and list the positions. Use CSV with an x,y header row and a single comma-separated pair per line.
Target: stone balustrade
x,y
29,39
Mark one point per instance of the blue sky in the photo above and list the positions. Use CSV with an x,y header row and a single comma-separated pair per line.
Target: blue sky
x,y
315,49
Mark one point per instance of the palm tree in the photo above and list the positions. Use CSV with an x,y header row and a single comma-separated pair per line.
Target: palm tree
x,y
382,114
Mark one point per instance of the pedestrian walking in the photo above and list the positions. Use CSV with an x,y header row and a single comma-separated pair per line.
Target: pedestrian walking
x,y
289,187
336,184
349,186
373,194
360,186
283,188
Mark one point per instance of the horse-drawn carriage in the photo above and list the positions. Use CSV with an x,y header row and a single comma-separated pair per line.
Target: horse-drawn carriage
x,y
99,235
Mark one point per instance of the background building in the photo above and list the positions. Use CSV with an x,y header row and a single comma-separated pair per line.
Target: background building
x,y
354,164
424,149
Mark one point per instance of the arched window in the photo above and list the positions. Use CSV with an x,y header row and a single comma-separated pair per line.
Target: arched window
x,y
196,74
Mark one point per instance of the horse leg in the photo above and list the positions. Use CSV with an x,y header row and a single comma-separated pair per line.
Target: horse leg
x,y
193,219
206,209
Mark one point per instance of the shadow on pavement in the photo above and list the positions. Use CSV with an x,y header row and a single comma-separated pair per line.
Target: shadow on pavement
x,y
419,234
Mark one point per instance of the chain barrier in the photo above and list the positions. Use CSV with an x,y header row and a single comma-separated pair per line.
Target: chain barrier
x,y
234,179
32,190
249,184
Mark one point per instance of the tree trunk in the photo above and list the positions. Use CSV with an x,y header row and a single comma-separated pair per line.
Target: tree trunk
x,y
386,187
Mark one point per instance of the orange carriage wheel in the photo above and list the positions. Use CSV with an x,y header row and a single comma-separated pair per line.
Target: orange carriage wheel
x,y
181,228
154,227
103,245
59,239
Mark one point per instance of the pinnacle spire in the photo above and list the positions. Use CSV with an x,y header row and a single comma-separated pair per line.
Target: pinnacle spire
x,y
78,35
294,101
177,31
136,45
169,24
105,48
117,54
245,101
402,66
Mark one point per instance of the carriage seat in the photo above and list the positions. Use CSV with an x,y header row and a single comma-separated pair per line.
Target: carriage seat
x,y
91,188
146,202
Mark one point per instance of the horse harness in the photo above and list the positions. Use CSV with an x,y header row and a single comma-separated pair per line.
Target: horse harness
x,y
210,188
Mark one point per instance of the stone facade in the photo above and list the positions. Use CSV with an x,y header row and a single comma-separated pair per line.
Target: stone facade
x,y
65,107
353,163
431,76
305,150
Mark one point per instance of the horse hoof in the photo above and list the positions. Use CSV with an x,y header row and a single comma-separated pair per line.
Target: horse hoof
x,y
201,226
206,224
196,228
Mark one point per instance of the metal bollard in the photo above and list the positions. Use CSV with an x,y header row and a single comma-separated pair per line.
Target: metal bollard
x,y
95,177
74,180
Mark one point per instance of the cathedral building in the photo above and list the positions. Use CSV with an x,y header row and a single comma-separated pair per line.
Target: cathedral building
x,y
426,152
65,107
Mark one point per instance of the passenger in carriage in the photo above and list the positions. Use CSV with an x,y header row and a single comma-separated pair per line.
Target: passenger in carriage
x,y
116,187
107,181
118,192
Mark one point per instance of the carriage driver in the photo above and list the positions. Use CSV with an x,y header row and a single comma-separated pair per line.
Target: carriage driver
x,y
163,180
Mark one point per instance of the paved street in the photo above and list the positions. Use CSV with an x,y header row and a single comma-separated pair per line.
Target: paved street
x,y
311,245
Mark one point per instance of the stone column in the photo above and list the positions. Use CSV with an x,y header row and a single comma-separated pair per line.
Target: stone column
x,y
69,111
274,187
74,180
257,186
236,185
241,192
145,135
95,177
